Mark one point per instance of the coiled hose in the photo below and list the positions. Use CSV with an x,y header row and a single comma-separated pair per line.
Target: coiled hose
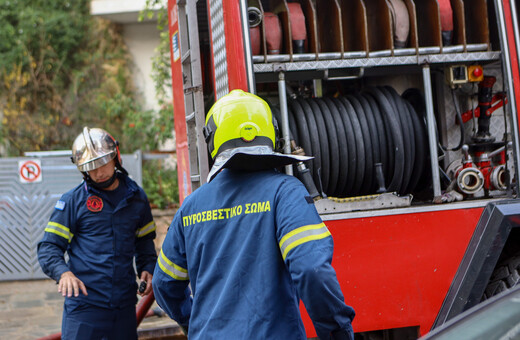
x,y
363,143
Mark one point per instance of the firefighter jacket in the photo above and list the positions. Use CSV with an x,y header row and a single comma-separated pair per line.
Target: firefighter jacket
x,y
251,244
101,241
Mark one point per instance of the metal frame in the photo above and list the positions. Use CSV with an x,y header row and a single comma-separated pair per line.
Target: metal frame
x,y
25,208
509,72
374,62
480,259
193,93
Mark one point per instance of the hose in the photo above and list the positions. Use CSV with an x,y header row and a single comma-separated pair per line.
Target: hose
x,y
343,159
333,147
323,173
366,180
393,126
408,134
360,147
362,141
315,139
351,146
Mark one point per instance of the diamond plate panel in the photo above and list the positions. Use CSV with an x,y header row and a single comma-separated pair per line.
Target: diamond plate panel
x,y
373,62
25,209
219,47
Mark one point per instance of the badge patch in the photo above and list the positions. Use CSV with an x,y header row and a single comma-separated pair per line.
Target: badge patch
x,y
60,205
94,204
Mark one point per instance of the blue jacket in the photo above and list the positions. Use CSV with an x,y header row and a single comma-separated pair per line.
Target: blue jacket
x,y
101,241
251,245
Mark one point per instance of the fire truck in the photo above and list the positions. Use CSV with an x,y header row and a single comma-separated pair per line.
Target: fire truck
x,y
409,110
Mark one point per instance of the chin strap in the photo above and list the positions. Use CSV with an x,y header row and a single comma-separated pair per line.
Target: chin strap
x,y
100,185
108,182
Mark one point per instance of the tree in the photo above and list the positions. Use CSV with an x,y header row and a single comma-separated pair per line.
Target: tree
x,y
61,69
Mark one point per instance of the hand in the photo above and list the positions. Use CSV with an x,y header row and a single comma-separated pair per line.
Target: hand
x,y
69,284
146,276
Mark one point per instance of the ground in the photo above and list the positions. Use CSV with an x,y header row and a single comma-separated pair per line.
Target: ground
x,y
33,309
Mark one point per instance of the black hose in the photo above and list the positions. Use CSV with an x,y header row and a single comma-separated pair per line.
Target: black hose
x,y
380,132
408,134
303,127
367,140
333,147
393,125
420,148
374,137
360,147
415,97
343,161
324,145
351,145
314,139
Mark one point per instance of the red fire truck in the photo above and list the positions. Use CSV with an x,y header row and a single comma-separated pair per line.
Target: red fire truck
x,y
409,108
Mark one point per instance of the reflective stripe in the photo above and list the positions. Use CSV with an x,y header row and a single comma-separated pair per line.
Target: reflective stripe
x,y
146,229
302,235
60,230
170,268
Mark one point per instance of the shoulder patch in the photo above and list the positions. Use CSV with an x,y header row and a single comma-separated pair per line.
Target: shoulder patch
x,y
60,205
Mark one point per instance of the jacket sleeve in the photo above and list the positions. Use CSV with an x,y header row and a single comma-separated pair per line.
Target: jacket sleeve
x,y
306,246
58,234
145,254
170,279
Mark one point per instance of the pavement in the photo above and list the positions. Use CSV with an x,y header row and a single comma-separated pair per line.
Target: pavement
x,y
33,309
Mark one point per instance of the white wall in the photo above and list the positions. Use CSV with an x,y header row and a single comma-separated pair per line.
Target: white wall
x,y
142,39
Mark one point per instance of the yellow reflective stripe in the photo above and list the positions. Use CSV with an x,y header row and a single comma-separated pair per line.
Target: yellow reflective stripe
x,y
60,230
146,229
302,235
170,268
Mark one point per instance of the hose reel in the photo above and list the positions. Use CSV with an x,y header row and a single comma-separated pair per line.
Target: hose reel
x,y
364,143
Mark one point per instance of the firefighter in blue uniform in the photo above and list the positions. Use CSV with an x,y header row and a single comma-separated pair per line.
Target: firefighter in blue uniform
x,y
249,242
102,224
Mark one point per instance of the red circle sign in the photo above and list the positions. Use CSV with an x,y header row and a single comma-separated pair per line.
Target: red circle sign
x,y
30,171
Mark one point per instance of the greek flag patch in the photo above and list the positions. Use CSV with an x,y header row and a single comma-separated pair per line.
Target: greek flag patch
x,y
60,205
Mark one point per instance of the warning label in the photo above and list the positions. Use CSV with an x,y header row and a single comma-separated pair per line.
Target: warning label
x,y
30,171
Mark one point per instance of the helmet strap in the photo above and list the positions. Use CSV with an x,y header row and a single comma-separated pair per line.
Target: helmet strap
x,y
120,167
100,185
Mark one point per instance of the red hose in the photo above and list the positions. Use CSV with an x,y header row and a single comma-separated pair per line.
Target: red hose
x,y
273,33
143,306
446,15
298,29
254,34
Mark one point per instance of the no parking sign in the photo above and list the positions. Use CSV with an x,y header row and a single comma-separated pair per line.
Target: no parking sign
x,y
30,171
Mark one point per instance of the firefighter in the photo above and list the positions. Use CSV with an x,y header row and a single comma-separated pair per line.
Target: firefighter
x,y
101,224
250,241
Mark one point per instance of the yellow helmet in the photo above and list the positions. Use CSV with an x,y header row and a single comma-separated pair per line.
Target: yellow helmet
x,y
239,119
241,134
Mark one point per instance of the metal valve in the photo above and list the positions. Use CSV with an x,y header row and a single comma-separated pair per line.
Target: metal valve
x,y
470,180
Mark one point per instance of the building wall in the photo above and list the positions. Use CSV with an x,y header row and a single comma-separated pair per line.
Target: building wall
x,y
142,39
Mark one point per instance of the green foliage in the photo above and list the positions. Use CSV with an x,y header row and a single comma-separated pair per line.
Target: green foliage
x,y
160,184
61,69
